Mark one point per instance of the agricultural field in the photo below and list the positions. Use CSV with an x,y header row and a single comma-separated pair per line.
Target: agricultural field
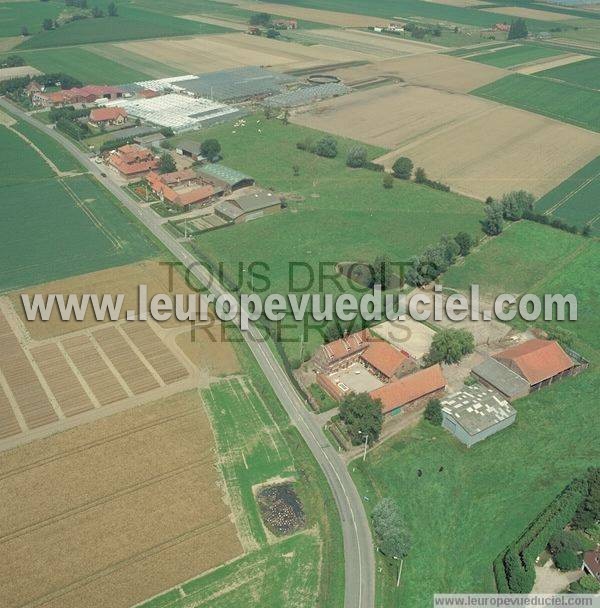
x,y
577,199
479,149
557,100
131,24
428,70
201,54
328,205
257,446
513,56
83,64
585,74
15,15
147,475
74,222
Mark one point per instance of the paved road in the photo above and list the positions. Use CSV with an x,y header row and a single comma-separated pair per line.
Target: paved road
x,y
358,546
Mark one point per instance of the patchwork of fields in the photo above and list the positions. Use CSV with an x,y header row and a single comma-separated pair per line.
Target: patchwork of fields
x,y
58,226
513,55
584,73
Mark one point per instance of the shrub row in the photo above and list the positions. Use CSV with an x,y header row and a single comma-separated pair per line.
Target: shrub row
x,y
514,569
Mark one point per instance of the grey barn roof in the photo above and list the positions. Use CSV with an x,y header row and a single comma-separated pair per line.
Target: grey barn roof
x,y
477,408
225,174
306,95
254,201
503,378
194,147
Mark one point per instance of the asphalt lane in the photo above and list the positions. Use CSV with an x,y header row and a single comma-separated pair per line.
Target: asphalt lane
x,y
358,546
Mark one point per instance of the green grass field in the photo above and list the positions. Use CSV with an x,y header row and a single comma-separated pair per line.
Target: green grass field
x,y
131,24
14,15
507,58
532,258
53,150
255,443
345,214
557,100
53,228
577,199
582,73
84,65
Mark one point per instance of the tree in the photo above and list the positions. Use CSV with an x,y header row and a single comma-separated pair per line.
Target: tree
x,y
167,132
166,163
48,24
465,242
357,157
516,203
587,229
97,12
273,33
13,61
362,417
433,412
564,541
402,167
388,181
260,19
391,534
165,144
588,513
567,560
268,112
450,346
326,147
493,223
112,10
24,30
210,148
518,29
286,118
382,272
586,584
296,170
420,175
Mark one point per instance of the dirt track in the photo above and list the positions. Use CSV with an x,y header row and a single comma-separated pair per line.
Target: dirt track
x,y
113,512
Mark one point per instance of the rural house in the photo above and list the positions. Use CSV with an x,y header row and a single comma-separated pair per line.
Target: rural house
x,y
476,412
342,353
133,161
591,563
86,94
108,116
183,189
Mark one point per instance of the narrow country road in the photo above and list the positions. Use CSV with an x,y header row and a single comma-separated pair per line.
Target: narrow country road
x,y
358,546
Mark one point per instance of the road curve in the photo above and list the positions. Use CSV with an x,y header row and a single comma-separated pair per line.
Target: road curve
x,y
358,545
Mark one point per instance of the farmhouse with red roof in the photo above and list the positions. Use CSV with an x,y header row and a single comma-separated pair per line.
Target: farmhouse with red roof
x,y
133,161
183,189
108,116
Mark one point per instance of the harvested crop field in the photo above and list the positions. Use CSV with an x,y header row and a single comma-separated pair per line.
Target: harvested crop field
x,y
132,505
552,63
203,54
529,13
502,150
152,273
369,43
18,72
430,70
478,149
47,386
311,14
391,115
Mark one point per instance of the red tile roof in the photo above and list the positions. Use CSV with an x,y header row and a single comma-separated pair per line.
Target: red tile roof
x,y
410,388
384,357
537,360
592,560
344,347
166,183
104,114
133,159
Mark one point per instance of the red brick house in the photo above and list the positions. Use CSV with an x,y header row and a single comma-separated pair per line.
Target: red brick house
x,y
108,116
133,161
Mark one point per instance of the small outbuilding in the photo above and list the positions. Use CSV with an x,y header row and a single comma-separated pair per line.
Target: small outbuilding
x,y
248,206
191,149
475,413
591,563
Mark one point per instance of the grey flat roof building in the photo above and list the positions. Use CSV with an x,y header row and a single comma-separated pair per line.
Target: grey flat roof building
x,y
497,375
476,412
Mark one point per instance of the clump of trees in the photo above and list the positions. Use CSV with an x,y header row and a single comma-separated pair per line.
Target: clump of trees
x,y
493,223
403,168
436,259
388,181
433,412
326,146
12,61
450,346
260,19
357,157
362,417
211,149
518,29
166,164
